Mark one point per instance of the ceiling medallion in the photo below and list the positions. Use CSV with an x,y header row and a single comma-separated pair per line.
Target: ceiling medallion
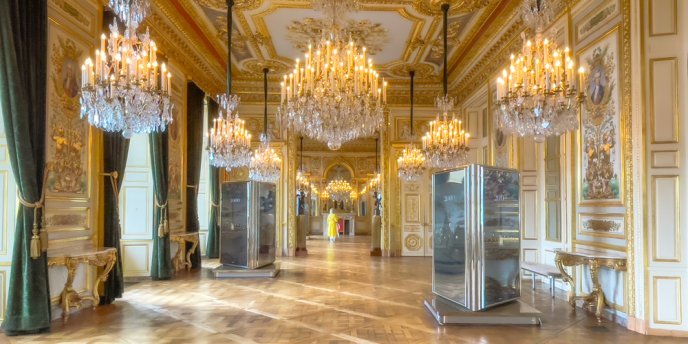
x,y
266,165
446,144
124,89
228,141
335,95
537,96
411,163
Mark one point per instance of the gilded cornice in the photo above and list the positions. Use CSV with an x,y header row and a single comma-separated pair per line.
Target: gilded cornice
x,y
176,48
492,61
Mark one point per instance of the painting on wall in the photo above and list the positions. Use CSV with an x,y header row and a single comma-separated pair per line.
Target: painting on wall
x,y
600,142
67,134
602,225
175,166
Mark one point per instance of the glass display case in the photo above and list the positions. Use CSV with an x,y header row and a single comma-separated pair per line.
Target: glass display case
x,y
476,228
247,224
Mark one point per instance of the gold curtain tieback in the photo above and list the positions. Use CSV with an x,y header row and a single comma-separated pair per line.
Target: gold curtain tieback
x,y
164,226
195,187
113,182
35,248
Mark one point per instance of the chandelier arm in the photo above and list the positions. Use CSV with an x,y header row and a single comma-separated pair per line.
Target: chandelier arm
x,y
265,96
230,4
445,15
412,74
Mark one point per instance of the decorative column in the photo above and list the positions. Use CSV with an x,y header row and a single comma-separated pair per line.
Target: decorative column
x,y
292,225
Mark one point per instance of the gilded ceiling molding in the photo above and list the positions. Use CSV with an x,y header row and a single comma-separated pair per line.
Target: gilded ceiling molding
x,y
175,48
432,7
491,63
480,35
221,5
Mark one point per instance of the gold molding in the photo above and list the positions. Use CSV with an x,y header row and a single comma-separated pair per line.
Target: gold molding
x,y
674,65
675,29
655,166
677,215
597,244
606,216
523,218
655,300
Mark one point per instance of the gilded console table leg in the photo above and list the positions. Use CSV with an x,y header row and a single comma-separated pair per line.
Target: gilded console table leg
x,y
558,261
194,240
597,295
109,264
178,260
69,297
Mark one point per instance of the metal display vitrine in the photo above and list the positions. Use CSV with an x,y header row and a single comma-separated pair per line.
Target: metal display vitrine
x,y
476,228
247,224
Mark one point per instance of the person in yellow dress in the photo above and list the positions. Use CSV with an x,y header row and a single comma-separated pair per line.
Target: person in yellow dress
x,y
332,220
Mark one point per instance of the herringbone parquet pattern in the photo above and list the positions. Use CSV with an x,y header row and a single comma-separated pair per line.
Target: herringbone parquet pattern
x,y
337,294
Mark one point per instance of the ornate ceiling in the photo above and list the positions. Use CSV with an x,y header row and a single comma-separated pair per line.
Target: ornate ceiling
x,y
403,35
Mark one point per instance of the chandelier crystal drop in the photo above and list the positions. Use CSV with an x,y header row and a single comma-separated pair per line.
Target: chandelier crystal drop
x,y
124,89
265,165
446,144
334,95
411,163
339,189
132,12
229,142
537,96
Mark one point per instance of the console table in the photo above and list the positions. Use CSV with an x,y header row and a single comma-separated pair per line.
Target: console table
x,y
104,257
183,258
594,260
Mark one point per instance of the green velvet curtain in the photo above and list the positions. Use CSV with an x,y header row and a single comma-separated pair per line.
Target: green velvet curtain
x,y
23,67
194,151
161,265
115,151
213,244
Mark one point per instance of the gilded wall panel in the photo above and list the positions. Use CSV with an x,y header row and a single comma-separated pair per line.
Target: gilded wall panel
x,y
67,134
601,145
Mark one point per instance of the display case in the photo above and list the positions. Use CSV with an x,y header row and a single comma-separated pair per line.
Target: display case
x,y
477,236
247,224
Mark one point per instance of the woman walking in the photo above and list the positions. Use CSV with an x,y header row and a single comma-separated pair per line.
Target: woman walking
x,y
332,221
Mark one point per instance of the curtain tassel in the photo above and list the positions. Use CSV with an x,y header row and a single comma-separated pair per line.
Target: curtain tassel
x,y
35,248
164,226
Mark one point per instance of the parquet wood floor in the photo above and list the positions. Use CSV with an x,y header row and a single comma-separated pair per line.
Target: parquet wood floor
x,y
337,294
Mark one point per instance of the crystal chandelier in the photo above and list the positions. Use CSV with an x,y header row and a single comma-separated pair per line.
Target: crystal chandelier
x,y
537,95
131,11
265,165
411,163
339,189
335,95
446,144
124,89
228,141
